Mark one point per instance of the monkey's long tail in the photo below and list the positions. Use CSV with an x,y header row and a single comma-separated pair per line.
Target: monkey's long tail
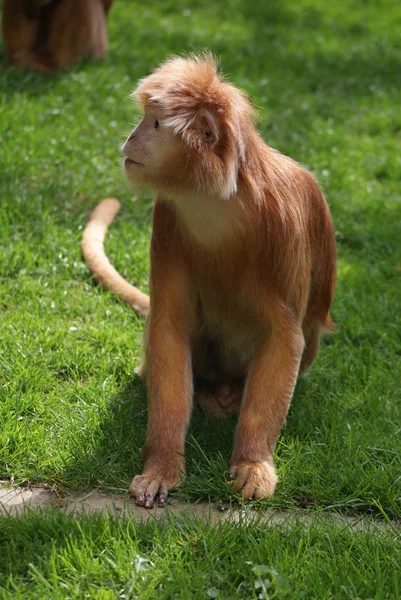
x,y
99,264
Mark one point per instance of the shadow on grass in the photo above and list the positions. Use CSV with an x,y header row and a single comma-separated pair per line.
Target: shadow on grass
x,y
114,455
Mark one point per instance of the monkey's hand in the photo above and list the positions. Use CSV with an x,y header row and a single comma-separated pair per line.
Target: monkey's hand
x,y
254,479
155,481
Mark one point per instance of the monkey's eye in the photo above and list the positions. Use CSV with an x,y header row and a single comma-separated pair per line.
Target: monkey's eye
x,y
208,134
157,124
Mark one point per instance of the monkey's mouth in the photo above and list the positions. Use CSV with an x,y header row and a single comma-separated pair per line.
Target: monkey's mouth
x,y
132,163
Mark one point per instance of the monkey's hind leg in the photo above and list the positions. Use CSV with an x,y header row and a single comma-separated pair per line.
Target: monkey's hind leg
x,y
78,29
215,391
312,337
99,40
21,36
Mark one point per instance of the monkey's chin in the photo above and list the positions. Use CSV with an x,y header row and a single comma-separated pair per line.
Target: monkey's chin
x,y
132,164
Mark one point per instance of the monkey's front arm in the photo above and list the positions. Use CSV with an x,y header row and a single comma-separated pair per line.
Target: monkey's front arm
x,y
268,391
169,371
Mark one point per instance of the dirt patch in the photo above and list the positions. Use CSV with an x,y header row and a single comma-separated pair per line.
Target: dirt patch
x,y
15,501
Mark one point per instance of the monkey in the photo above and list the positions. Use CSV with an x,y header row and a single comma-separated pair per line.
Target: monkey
x,y
242,272
50,34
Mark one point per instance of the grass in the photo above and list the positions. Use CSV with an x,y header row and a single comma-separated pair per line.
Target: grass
x,y
325,78
104,558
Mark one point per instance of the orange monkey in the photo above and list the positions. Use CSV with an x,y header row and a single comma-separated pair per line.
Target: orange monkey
x,y
243,268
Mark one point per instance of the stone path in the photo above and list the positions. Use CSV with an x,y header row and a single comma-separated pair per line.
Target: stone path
x,y
15,501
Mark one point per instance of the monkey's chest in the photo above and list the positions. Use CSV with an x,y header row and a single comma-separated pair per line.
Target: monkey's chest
x,y
228,333
227,323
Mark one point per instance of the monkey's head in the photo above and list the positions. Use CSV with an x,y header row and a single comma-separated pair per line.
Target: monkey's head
x,y
194,132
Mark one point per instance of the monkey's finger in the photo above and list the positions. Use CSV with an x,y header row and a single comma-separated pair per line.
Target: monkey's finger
x,y
163,495
232,473
240,476
135,483
149,501
248,489
261,493
258,480
151,491
138,489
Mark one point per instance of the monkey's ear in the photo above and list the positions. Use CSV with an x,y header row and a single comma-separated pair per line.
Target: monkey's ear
x,y
206,124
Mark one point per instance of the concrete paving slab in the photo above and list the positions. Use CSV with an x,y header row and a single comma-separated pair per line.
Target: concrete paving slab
x,y
15,501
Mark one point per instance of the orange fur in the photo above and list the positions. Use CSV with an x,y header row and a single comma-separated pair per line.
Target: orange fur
x,y
93,252
242,271
50,34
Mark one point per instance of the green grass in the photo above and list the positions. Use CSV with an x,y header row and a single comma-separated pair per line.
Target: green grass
x,y
104,558
326,80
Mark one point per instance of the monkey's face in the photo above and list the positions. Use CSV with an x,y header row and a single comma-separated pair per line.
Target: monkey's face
x,y
151,150
177,160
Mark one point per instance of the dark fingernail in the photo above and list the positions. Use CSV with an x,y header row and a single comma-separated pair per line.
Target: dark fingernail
x,y
162,500
140,500
148,501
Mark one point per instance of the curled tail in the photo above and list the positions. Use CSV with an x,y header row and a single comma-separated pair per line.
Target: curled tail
x,y
99,264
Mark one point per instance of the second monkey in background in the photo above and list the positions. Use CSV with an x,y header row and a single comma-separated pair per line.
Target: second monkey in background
x,y
47,35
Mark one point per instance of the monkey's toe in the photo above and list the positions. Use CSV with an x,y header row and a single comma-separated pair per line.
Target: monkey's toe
x,y
229,397
226,399
254,479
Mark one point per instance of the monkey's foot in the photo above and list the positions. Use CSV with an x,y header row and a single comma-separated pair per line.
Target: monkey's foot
x,y
254,479
224,400
154,482
36,61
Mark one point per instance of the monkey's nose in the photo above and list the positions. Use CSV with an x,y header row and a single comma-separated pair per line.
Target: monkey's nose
x,y
131,136
125,147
